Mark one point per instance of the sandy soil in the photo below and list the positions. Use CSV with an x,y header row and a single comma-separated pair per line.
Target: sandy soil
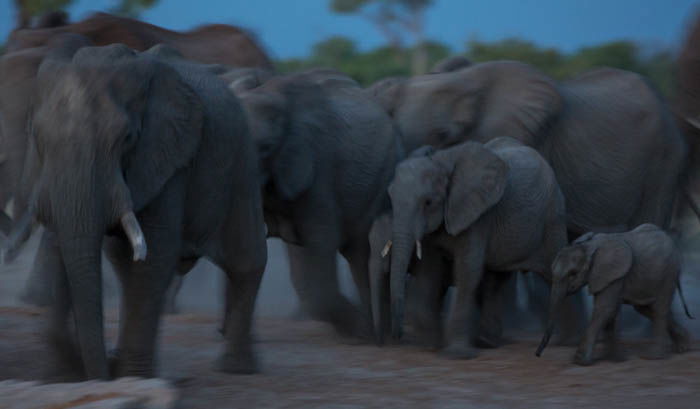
x,y
304,365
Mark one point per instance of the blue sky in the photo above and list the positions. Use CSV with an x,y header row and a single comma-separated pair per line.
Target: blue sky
x,y
289,28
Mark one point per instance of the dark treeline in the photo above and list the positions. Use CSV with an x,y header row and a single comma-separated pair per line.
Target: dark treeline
x,y
368,66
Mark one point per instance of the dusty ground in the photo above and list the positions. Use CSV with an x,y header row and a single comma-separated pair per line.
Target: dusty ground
x,y
304,365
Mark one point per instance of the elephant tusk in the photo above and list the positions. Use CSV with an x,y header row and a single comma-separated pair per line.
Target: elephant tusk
x,y
694,121
133,232
419,250
386,248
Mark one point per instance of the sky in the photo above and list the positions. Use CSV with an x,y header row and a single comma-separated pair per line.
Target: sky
x,y
289,28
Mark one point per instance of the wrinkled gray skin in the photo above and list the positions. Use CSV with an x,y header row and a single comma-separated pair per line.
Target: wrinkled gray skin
x,y
18,80
606,133
328,153
494,209
641,268
153,139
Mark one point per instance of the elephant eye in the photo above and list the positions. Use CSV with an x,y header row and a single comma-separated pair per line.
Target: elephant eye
x,y
428,202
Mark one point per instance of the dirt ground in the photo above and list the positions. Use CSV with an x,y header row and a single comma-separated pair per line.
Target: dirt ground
x,y
303,365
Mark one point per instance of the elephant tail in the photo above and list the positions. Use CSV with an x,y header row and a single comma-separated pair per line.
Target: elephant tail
x,y
682,297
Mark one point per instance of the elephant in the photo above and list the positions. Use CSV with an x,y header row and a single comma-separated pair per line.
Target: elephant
x,y
640,267
327,154
208,44
606,133
154,159
493,209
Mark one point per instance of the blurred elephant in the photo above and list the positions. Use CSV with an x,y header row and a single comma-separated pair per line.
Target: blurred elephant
x,y
129,146
493,209
209,44
640,267
607,134
328,153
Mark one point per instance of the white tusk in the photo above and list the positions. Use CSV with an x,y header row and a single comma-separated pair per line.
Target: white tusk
x,y
386,248
133,232
694,121
419,250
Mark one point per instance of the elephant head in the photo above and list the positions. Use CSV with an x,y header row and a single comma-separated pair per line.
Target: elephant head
x,y
591,260
479,103
111,128
451,188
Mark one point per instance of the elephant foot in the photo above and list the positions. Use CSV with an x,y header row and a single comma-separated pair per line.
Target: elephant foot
x,y
238,364
583,359
455,351
654,352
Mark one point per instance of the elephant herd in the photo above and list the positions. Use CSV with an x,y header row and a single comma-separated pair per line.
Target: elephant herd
x,y
159,148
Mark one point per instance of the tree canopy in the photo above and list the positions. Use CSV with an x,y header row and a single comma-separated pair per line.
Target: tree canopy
x,y
28,9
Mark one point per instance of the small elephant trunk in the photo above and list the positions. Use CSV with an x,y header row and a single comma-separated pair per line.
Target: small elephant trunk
x,y
401,252
556,298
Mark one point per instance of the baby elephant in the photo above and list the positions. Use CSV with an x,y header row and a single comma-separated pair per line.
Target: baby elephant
x,y
640,267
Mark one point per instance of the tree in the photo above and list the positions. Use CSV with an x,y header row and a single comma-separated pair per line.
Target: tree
x,y
394,19
27,9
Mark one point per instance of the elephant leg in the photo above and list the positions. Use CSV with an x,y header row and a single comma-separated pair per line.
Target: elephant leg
x,y
659,316
490,330
425,299
314,276
171,295
242,254
65,355
357,255
468,270
614,351
605,306
679,335
45,267
145,283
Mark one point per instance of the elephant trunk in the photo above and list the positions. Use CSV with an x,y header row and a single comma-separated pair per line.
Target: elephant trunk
x,y
556,298
377,286
402,249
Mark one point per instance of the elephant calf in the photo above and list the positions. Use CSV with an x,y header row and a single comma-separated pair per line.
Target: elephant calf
x,y
492,209
640,267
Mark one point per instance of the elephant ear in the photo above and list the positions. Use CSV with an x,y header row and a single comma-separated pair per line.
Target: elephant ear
x,y
293,167
516,100
168,130
610,261
478,182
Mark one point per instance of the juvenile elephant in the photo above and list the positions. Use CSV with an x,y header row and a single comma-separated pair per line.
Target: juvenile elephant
x,y
640,267
328,153
492,209
157,156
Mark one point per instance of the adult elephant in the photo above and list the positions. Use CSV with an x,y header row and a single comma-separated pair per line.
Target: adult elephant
x,y
328,153
129,146
209,44
607,134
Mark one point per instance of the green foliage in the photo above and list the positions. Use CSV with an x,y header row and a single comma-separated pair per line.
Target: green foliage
x,y
38,7
342,54
354,6
367,67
